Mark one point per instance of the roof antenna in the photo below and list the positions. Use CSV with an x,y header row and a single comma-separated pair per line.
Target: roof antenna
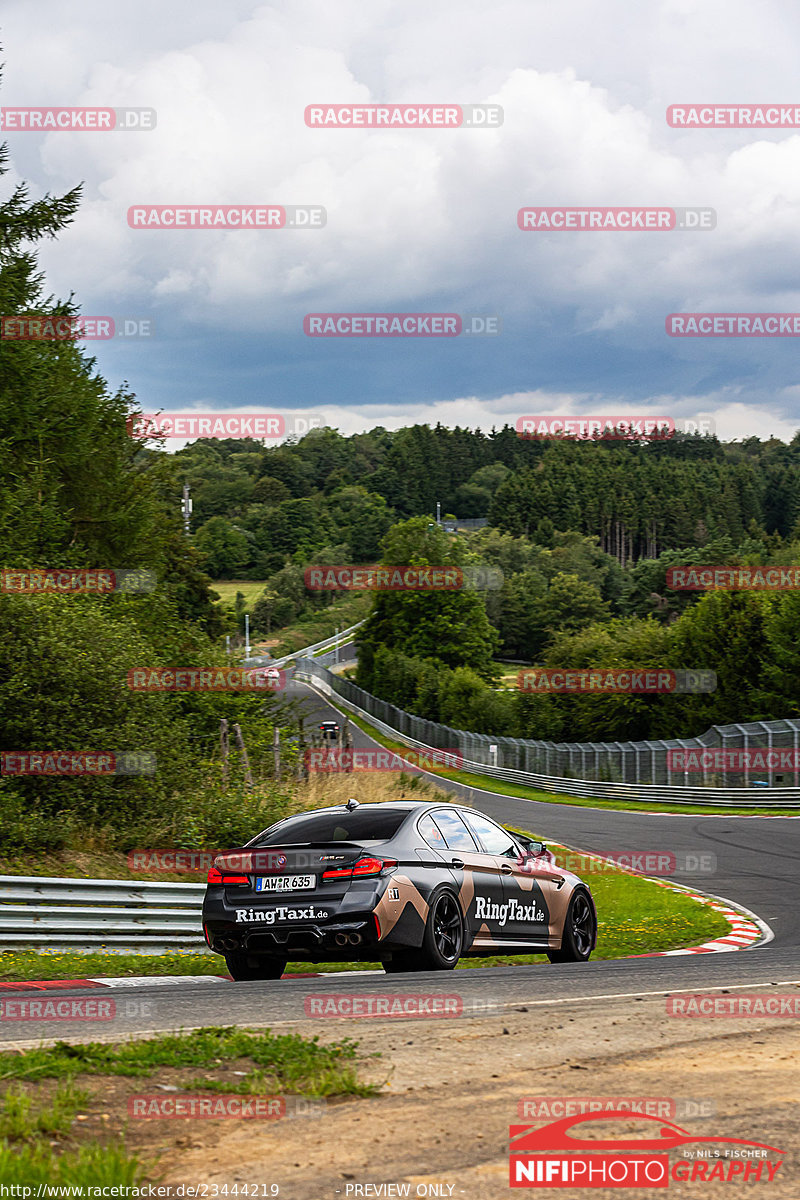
x,y
351,804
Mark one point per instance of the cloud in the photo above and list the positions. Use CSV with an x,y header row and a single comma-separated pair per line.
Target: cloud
x,y
424,220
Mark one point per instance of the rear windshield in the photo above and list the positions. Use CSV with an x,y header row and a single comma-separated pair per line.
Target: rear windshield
x,y
362,826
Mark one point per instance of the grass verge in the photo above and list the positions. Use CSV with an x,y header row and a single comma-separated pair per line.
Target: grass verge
x,y
282,1062
65,1115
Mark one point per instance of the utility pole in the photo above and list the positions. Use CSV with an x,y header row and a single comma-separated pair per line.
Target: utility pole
x,y
438,513
186,509
336,648
247,635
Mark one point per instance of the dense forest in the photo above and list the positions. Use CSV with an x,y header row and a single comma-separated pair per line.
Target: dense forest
x,y
637,498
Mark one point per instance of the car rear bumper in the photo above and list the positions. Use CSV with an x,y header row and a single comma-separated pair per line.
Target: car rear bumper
x,y
354,938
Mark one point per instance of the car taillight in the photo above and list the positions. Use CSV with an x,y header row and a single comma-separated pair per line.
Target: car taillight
x,y
364,866
217,877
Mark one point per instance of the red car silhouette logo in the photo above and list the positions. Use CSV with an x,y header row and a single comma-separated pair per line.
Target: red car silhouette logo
x,y
527,1139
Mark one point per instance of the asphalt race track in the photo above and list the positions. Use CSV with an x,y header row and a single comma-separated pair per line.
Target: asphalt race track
x,y
757,862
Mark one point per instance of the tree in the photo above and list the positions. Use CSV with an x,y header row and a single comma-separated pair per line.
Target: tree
x,y
570,604
449,627
225,549
362,519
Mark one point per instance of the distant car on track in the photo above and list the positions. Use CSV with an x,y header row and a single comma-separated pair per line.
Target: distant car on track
x,y
413,885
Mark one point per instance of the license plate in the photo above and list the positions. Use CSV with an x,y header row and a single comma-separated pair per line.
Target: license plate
x,y
286,883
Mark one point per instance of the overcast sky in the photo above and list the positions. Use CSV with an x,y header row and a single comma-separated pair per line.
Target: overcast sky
x,y
424,220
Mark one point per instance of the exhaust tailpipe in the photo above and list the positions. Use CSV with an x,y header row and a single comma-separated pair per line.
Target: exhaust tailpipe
x,y
341,939
355,939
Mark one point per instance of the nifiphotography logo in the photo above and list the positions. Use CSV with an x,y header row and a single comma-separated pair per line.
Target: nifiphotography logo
x,y
554,1156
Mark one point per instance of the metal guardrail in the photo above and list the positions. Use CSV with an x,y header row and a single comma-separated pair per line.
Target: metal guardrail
x,y
304,651
723,797
100,914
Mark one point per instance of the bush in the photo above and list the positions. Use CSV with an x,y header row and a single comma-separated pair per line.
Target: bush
x,y
64,664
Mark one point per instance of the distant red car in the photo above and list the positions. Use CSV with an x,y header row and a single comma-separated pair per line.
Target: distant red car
x,y
556,1136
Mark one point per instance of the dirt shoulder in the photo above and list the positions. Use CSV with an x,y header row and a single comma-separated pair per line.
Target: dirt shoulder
x,y
453,1089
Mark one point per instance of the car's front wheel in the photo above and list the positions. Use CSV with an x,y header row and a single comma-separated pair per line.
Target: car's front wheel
x,y
442,941
579,933
242,966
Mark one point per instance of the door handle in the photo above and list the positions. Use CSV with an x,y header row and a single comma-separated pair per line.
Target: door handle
x,y
456,862
507,869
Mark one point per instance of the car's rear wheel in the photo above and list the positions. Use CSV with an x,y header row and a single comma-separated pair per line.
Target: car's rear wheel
x,y
442,941
243,966
580,931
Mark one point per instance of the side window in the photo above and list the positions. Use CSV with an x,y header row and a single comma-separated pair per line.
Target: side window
x,y
493,839
431,832
455,831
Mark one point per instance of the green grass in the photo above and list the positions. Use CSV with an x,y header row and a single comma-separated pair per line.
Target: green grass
x,y
489,784
19,1124
27,1130
286,1062
31,964
91,1166
251,589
